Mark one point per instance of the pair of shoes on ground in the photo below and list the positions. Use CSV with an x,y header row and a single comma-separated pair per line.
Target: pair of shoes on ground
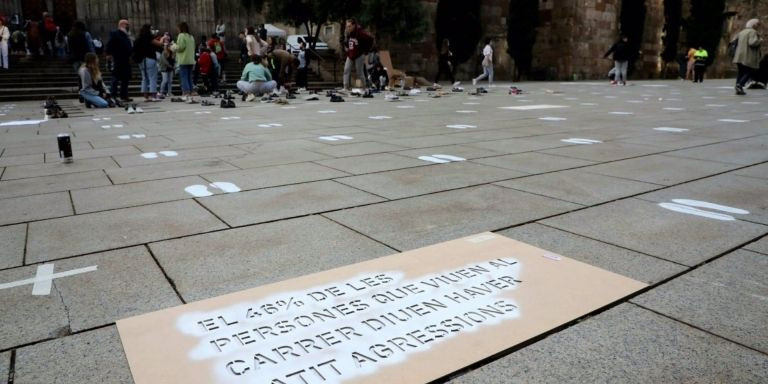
x,y
227,103
206,103
133,108
740,90
336,99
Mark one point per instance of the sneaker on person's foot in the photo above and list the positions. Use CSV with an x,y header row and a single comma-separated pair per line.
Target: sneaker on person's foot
x,y
474,81
250,97
130,109
456,84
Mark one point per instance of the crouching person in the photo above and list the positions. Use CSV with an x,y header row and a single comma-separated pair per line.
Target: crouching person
x,y
93,90
256,79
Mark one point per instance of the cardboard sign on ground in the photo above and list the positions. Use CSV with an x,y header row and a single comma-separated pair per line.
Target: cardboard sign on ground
x,y
406,318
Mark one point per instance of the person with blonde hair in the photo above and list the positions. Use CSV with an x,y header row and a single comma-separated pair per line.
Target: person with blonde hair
x,y
92,88
747,57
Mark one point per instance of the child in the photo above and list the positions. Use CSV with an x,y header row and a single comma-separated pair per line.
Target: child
x,y
205,63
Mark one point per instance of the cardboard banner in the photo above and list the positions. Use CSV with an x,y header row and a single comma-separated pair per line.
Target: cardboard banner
x,y
406,318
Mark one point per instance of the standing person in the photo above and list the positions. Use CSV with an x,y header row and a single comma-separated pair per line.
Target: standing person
x,y
747,57
303,67
166,64
207,66
185,57
444,62
79,44
216,45
33,38
119,51
487,64
620,52
49,34
145,48
221,30
60,42
691,61
92,88
700,65
255,44
263,32
243,49
255,79
5,35
285,65
357,45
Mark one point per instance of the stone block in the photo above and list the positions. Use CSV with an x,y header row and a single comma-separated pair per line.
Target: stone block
x,y
12,240
36,207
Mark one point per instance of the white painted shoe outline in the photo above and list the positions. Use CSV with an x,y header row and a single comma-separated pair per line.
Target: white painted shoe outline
x,y
379,117
441,159
335,138
691,207
154,155
199,190
576,140
460,126
270,125
671,129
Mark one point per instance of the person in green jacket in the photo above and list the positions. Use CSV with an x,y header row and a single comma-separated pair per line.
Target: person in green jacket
x,y
185,57
256,79
700,64
747,56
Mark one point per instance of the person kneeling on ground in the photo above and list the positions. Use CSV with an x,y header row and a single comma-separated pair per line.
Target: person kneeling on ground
x,y
256,79
93,90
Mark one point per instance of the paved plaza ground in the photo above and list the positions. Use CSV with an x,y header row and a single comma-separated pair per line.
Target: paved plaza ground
x,y
666,183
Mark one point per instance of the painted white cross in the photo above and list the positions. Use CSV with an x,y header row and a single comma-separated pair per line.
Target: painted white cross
x,y
41,283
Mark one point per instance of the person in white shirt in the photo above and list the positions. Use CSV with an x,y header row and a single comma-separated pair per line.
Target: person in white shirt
x,y
221,30
487,64
5,36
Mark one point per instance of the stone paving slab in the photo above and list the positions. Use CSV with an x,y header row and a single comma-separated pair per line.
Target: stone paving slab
x,y
274,176
638,266
533,162
5,366
134,194
671,140
267,158
357,149
251,207
168,170
358,165
759,246
648,228
422,180
7,161
728,189
94,357
757,171
527,144
49,169
53,157
280,145
51,145
93,232
428,141
626,345
12,240
425,220
37,207
725,297
182,155
252,256
55,183
739,152
463,151
578,187
604,151
112,140
661,169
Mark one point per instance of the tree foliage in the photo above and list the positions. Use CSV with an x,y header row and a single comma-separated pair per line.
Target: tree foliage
x,y
459,22
521,33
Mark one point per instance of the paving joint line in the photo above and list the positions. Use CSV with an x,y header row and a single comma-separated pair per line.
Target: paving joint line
x,y
12,367
362,234
165,274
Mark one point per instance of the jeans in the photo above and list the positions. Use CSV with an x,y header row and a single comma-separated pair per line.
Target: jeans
x,y
148,69
167,84
185,75
745,73
97,101
487,73
621,71
4,54
359,69
257,87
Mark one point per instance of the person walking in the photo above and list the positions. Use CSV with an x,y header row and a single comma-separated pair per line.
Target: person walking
x,y
358,43
5,36
255,79
747,57
119,50
487,64
445,62
620,51
92,89
146,48
185,57
701,57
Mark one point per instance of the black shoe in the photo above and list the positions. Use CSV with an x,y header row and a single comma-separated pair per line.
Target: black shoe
x,y
88,105
230,103
336,99
740,90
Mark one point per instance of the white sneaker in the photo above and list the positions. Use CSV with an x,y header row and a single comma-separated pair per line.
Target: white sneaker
x,y
131,110
250,97
474,81
139,110
456,84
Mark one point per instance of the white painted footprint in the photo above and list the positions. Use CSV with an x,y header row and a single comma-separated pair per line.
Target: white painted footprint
x,y
576,140
381,117
270,125
441,159
691,207
198,190
154,155
335,138
551,118
460,126
231,118
670,129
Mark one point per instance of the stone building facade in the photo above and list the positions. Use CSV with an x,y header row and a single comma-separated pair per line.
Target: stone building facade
x,y
572,35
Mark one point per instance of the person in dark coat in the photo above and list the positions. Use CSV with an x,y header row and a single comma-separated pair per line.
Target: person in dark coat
x,y
77,39
119,51
621,53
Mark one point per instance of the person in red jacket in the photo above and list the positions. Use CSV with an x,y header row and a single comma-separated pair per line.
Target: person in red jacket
x,y
358,43
49,34
217,47
208,70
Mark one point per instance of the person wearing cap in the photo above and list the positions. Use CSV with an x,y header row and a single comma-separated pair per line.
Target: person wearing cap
x,y
119,50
